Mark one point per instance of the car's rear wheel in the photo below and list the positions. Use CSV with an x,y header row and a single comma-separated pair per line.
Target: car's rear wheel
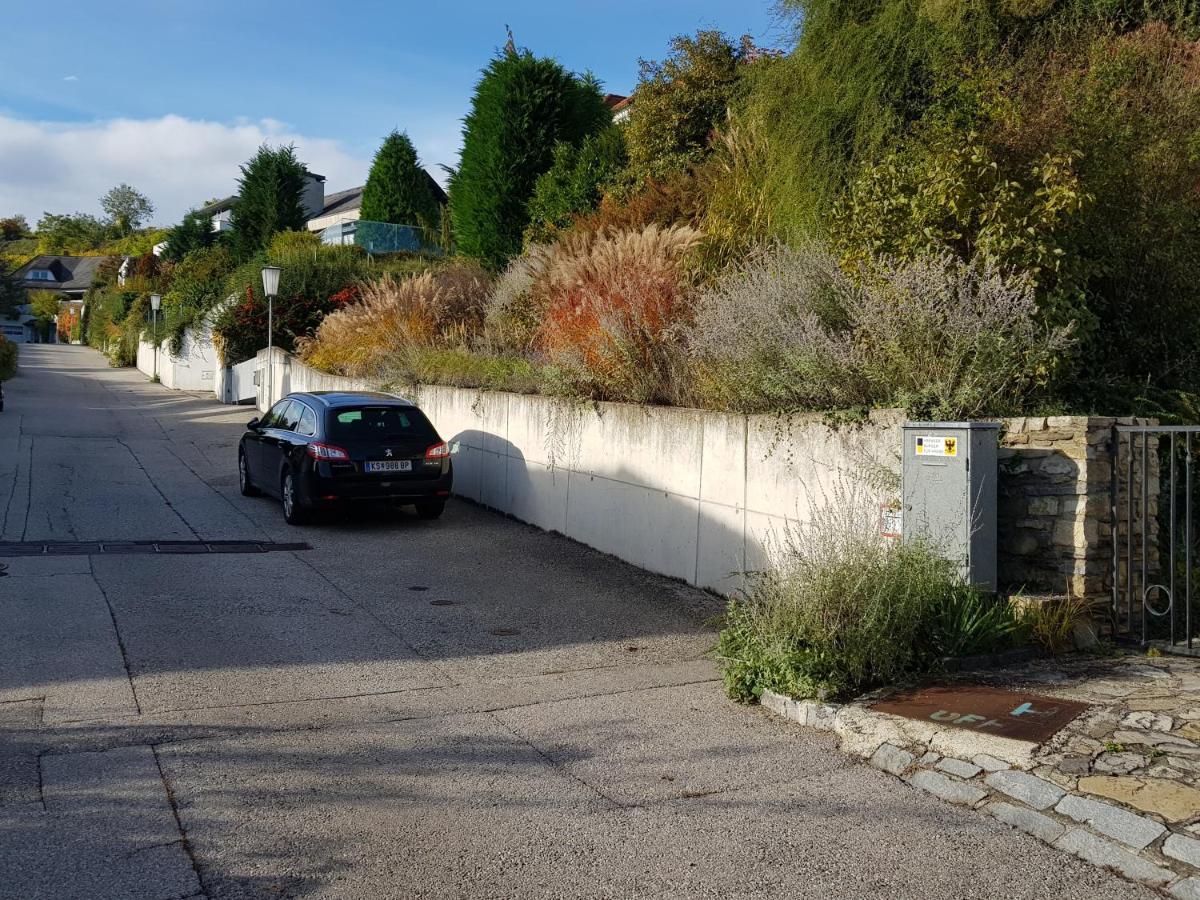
x,y
431,509
294,512
244,482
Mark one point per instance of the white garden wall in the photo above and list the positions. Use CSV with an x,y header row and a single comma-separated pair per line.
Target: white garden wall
x,y
696,495
194,369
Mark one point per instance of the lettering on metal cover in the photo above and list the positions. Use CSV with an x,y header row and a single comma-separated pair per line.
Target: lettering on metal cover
x,y
1009,714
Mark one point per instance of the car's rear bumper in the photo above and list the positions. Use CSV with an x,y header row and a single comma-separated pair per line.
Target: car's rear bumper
x,y
333,491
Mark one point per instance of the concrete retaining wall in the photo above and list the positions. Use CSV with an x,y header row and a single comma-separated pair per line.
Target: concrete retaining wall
x,y
695,495
706,496
194,369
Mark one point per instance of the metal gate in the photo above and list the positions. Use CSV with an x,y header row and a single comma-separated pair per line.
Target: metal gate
x,y
1154,529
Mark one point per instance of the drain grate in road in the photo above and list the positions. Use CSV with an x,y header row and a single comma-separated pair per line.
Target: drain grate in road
x,y
114,548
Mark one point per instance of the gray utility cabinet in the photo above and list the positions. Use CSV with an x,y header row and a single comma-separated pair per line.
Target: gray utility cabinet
x,y
949,478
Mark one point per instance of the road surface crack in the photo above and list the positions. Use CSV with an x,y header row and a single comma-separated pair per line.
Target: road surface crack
x,y
183,835
117,632
158,490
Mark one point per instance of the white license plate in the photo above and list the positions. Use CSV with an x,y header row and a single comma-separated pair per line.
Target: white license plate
x,y
390,465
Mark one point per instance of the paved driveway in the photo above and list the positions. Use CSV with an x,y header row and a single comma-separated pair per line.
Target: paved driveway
x,y
463,708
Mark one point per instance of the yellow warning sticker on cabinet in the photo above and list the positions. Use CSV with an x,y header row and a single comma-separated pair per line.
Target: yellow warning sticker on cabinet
x,y
931,445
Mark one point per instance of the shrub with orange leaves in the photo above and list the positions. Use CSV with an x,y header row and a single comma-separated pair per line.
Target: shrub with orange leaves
x,y
612,304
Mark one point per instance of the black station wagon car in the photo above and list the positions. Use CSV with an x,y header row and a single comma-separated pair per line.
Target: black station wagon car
x,y
324,449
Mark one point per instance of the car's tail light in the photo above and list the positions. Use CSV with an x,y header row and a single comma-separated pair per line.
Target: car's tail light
x,y
438,451
327,451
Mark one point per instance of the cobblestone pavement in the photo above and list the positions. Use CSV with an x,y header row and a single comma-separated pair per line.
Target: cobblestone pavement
x,y
1118,787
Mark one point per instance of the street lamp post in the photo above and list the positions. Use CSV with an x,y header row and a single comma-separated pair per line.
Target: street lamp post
x,y
270,278
155,303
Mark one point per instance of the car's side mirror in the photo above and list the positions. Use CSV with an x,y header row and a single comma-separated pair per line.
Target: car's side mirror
x,y
252,424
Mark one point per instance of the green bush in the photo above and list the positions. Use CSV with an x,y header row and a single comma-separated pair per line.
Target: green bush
x,y
523,106
198,285
680,101
268,200
313,284
575,182
8,358
969,623
844,611
193,233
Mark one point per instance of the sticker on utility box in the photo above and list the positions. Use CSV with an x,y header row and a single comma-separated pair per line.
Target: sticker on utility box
x,y
891,521
932,445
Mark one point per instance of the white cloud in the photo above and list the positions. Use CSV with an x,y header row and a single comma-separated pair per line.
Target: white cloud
x,y
70,78
177,162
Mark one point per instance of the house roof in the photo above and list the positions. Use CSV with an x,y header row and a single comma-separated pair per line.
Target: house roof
x,y
612,101
621,103
343,201
217,206
71,273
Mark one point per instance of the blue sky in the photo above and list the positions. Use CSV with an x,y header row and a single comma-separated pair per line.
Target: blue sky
x,y
170,95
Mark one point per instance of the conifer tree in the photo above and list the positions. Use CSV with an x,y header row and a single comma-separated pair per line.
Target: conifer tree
x,y
268,201
193,233
523,106
398,190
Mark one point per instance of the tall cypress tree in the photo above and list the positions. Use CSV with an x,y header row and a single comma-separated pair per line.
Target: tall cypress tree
x,y
398,190
194,233
522,107
269,200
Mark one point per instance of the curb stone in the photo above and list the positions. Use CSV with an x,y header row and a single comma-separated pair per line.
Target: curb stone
x,y
939,785
1100,852
1149,852
1116,823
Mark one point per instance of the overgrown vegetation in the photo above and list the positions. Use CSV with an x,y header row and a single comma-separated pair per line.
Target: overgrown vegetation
x,y
844,610
969,209
944,338
12,292
8,358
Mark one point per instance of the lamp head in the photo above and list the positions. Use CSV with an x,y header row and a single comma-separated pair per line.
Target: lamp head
x,y
270,277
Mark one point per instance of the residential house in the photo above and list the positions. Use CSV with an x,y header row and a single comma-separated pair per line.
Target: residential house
x,y
67,276
334,217
21,328
619,105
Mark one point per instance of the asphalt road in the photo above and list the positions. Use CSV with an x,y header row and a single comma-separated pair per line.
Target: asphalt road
x,y
461,708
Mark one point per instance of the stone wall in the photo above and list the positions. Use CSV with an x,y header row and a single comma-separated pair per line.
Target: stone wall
x,y
1055,497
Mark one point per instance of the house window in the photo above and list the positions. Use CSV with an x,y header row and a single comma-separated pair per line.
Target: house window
x,y
41,275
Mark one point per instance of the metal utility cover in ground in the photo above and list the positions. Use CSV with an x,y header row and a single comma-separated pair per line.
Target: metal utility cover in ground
x,y
1009,714
949,492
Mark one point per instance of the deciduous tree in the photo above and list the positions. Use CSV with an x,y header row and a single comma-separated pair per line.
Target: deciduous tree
x,y
127,208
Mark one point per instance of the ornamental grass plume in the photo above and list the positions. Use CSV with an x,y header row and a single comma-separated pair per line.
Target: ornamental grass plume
x,y
613,305
430,309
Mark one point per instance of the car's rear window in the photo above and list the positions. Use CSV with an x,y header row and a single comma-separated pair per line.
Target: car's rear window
x,y
368,422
